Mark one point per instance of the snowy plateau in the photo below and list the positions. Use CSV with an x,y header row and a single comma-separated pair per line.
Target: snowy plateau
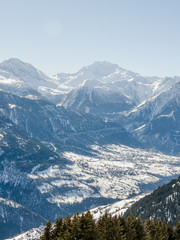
x,y
97,139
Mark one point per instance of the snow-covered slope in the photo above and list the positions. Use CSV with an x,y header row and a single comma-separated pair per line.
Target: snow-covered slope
x,y
33,234
117,208
97,70
23,79
12,84
111,75
25,218
95,97
27,73
152,107
17,145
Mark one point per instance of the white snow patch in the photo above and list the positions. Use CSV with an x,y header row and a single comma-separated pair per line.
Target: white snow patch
x,y
35,168
1,136
54,148
33,234
167,116
45,187
12,105
10,203
116,209
32,97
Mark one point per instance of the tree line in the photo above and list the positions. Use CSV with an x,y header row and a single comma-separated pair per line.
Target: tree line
x,y
107,227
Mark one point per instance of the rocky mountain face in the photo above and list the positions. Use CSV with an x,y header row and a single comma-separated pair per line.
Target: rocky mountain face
x,y
57,159
95,98
155,122
21,203
60,128
10,211
104,89
16,145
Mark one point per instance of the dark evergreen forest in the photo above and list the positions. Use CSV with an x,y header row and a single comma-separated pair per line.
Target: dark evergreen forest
x,y
163,203
84,227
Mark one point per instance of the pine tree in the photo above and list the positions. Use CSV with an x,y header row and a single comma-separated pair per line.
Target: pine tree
x,y
135,229
67,228
111,228
103,227
170,233
57,228
122,228
177,231
47,231
76,228
88,227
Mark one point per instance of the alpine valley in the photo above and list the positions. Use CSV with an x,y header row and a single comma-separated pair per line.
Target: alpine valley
x,y
73,142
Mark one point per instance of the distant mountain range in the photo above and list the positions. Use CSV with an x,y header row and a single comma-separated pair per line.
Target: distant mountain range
x,y
75,141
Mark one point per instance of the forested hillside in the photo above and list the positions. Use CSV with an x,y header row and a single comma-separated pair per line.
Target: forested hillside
x,y
163,203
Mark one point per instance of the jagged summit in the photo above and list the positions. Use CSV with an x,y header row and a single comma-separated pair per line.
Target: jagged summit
x,y
15,64
98,70
20,68
14,61
101,68
25,73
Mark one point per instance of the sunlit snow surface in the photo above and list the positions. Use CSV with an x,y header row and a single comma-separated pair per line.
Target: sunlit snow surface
x,y
117,208
116,172
9,203
33,234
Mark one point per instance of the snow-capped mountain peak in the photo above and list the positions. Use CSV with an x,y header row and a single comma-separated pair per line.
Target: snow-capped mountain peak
x,y
100,69
19,76
18,67
25,71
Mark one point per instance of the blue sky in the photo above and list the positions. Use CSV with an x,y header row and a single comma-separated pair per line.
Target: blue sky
x,y
65,35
